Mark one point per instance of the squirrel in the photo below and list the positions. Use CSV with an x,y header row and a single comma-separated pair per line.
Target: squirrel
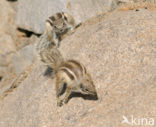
x,y
73,77
69,73
55,27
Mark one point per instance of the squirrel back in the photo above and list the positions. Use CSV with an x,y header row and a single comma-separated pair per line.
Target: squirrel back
x,y
73,77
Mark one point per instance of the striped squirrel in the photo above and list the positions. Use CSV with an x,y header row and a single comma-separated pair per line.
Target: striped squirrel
x,y
69,73
56,26
73,77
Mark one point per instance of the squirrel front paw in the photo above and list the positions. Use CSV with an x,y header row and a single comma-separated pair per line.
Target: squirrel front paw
x,y
59,103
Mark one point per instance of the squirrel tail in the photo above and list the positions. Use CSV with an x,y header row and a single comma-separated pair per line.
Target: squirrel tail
x,y
52,58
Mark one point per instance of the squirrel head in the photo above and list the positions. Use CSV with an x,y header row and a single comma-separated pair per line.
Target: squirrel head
x,y
87,86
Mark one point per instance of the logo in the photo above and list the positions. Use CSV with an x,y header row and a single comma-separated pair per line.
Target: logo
x,y
138,121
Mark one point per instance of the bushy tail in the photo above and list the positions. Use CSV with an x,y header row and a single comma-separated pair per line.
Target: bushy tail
x,y
52,57
21,77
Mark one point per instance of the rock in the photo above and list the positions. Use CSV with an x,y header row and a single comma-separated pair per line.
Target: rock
x,y
83,10
39,10
7,18
119,50
24,40
7,41
7,48
6,44
7,27
23,58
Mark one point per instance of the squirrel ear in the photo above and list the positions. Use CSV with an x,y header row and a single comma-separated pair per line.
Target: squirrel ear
x,y
69,18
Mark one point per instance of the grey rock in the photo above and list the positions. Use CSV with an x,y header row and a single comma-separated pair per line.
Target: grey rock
x,y
26,54
23,58
7,18
7,39
7,28
6,44
7,32
83,10
7,49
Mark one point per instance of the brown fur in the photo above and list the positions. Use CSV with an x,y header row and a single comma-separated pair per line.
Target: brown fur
x,y
74,75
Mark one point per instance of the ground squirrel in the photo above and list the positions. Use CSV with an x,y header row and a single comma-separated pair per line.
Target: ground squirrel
x,y
56,26
72,76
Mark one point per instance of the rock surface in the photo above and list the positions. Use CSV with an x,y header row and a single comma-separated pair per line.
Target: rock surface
x,y
39,10
24,58
7,37
7,48
119,50
7,17
83,10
